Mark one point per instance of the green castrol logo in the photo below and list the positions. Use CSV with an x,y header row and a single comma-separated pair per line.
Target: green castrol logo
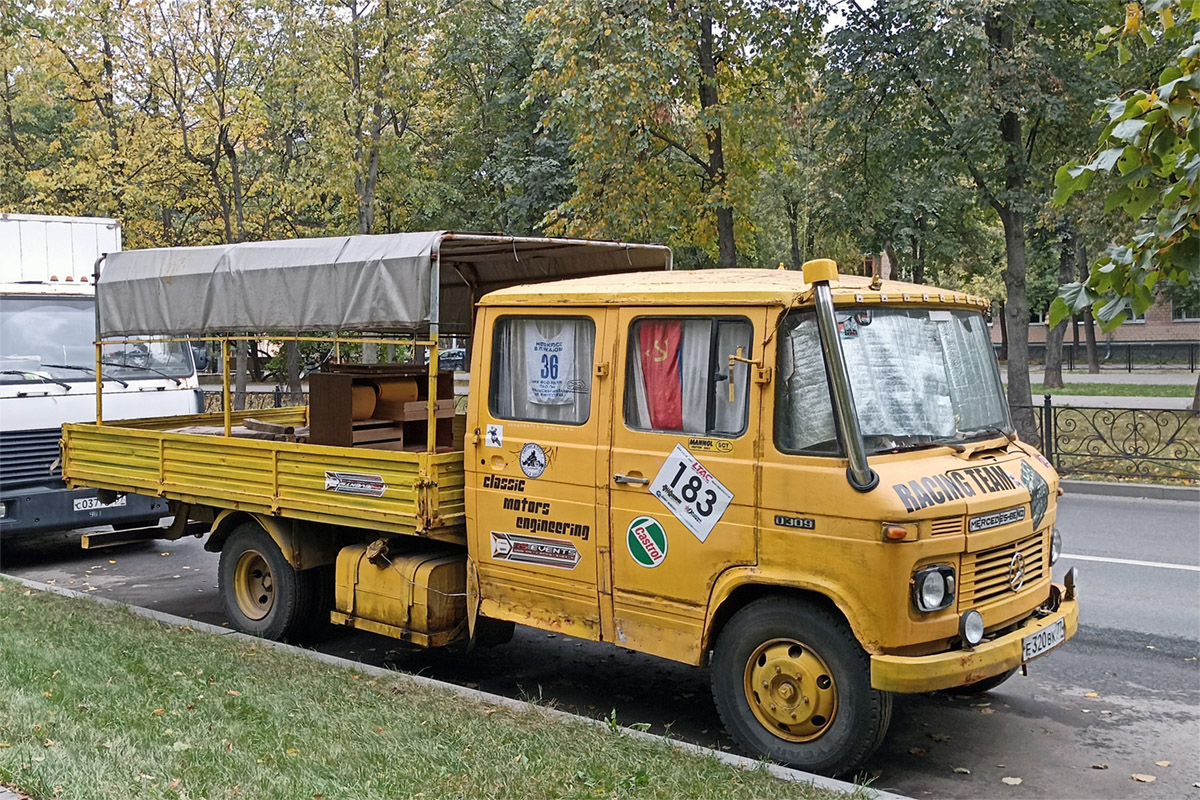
x,y
647,541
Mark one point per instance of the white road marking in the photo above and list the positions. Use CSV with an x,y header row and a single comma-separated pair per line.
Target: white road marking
x,y
1131,562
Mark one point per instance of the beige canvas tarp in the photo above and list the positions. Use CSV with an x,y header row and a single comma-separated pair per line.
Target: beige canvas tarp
x,y
377,283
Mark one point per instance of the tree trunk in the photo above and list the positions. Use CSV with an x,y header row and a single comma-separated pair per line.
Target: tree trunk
x,y
793,218
242,353
1089,321
1016,314
295,389
1054,337
1003,334
726,246
1196,397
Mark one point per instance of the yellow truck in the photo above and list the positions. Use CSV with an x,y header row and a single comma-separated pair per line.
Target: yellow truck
x,y
808,482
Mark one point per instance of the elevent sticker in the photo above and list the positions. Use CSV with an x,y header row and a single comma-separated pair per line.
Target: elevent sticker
x,y
355,483
534,550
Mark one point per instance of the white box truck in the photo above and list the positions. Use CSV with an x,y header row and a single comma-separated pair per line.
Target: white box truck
x,y
48,373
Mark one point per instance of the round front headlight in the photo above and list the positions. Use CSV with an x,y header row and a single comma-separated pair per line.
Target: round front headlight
x,y
970,628
932,590
1055,546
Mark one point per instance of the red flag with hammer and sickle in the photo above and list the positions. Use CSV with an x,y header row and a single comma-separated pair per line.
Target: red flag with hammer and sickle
x,y
658,344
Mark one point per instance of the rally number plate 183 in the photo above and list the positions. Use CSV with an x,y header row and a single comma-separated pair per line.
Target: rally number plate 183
x,y
1047,638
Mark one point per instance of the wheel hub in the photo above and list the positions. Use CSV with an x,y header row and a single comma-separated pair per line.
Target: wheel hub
x,y
790,690
254,585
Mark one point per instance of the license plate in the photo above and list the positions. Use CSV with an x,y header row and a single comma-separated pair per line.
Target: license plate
x,y
92,503
1047,638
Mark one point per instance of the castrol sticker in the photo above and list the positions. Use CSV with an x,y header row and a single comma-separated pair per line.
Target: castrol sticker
x,y
647,541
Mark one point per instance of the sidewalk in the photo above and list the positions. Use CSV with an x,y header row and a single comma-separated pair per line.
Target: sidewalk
x,y
1144,377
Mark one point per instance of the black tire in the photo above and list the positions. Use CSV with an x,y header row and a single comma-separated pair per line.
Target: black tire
x,y
812,706
263,595
985,685
493,632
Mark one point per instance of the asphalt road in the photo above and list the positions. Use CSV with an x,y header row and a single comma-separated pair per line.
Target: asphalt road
x,y
1121,696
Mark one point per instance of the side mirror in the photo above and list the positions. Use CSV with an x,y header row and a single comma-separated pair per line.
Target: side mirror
x,y
200,353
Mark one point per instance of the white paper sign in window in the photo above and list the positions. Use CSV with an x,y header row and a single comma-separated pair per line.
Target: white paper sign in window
x,y
690,492
551,365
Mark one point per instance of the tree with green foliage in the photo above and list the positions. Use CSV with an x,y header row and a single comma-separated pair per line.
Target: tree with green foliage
x,y
671,110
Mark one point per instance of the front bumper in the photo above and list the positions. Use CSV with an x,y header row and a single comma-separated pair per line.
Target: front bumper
x,y
911,674
34,509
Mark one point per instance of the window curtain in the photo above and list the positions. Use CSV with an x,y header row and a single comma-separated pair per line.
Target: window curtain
x,y
542,369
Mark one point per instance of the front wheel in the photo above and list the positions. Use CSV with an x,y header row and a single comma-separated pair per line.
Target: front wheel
x,y
792,684
264,595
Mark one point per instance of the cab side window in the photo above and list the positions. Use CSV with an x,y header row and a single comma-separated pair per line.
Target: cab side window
x,y
542,369
678,377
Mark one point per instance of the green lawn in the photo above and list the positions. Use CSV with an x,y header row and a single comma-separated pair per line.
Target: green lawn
x,y
1115,390
98,703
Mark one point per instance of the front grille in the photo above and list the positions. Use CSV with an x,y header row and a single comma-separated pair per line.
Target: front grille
x,y
26,456
986,576
945,525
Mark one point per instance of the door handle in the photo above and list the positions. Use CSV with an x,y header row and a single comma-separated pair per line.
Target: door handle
x,y
632,480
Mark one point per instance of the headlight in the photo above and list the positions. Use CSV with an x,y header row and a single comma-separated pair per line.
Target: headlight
x,y
1055,546
933,588
970,628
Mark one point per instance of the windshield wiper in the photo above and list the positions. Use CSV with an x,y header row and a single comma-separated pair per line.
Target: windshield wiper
x,y
37,375
993,430
88,370
147,369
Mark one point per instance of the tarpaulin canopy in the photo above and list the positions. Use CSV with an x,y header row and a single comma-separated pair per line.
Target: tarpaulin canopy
x,y
398,282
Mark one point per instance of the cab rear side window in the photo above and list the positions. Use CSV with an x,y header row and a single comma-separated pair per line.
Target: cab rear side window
x,y
678,377
542,369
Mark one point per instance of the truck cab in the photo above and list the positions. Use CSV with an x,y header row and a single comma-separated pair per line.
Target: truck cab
x,y
663,461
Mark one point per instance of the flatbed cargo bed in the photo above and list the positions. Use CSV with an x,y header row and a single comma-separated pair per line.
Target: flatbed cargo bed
x,y
387,491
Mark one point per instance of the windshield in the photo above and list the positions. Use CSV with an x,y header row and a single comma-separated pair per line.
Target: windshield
x,y
47,338
919,377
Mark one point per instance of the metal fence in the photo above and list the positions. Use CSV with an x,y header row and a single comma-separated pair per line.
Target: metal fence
x,y
1137,443
1128,356
280,397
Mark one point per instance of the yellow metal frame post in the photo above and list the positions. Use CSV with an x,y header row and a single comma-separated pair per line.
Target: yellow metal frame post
x,y
225,404
431,438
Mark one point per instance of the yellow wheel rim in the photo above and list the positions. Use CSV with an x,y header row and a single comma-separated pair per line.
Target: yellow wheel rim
x,y
253,585
791,690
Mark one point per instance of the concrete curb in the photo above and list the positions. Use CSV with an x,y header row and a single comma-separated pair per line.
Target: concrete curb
x,y
729,759
1145,491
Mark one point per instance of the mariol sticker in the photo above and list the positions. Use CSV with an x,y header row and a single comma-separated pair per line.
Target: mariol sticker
x,y
533,460
494,436
690,492
355,483
647,541
702,445
536,550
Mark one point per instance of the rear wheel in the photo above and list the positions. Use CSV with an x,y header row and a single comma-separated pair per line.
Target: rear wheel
x,y
792,684
263,594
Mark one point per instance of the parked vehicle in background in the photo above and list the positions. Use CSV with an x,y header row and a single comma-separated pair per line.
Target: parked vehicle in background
x,y
48,373
808,482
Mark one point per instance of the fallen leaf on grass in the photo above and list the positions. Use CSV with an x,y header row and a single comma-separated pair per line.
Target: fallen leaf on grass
x,y
1012,781
159,711
1140,778
962,771
1162,763
234,693
291,751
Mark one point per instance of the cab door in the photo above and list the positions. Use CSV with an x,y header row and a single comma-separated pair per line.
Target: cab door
x,y
683,477
532,473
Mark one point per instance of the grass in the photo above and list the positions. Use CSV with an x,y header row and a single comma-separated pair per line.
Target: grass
x,y
1115,390
96,702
